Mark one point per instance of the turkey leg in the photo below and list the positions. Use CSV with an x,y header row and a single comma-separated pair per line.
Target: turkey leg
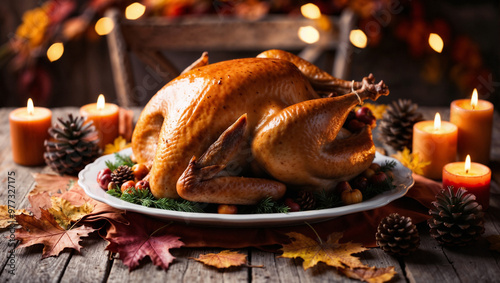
x,y
202,180
305,144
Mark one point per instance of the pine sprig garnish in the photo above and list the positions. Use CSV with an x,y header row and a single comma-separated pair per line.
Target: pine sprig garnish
x,y
119,160
326,199
266,205
388,166
376,189
145,198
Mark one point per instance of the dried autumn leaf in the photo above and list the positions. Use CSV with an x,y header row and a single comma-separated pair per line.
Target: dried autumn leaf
x,y
411,160
101,211
52,183
118,144
65,213
224,259
370,274
38,202
494,242
330,252
143,237
47,232
8,218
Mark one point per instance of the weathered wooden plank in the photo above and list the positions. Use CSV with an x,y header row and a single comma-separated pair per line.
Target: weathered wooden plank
x,y
429,263
183,269
91,264
228,34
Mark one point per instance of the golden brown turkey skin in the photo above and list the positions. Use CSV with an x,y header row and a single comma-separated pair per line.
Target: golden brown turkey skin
x,y
271,118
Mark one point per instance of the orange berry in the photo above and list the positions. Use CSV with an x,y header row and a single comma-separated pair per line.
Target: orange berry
x,y
227,209
127,185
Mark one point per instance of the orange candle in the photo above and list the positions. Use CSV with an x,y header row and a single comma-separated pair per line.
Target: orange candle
x,y
474,119
435,142
474,177
28,130
105,118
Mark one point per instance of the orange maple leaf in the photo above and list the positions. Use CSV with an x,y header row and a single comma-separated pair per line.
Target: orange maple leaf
x,y
46,231
370,274
330,252
53,184
224,259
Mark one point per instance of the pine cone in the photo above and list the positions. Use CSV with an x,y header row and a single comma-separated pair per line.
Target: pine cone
x,y
306,200
74,144
121,175
397,235
396,125
457,218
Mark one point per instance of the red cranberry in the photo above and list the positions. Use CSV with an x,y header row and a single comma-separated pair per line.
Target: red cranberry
x,y
104,180
103,172
378,178
360,183
142,185
365,115
342,186
292,205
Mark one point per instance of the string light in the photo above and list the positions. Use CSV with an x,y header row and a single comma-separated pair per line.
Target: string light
x,y
104,26
134,11
358,38
308,34
55,51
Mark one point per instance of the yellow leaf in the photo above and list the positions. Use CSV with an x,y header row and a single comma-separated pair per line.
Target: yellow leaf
x,y
411,160
494,242
330,252
65,213
223,259
378,110
7,217
370,274
118,144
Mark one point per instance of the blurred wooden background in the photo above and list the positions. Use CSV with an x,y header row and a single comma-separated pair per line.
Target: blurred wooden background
x,y
84,71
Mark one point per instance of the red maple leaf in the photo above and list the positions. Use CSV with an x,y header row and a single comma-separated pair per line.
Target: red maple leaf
x,y
142,237
46,231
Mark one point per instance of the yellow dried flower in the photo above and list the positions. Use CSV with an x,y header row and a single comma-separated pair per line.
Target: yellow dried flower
x,y
378,110
34,25
411,160
118,144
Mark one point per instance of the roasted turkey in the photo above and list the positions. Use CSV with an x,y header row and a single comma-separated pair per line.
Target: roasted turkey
x,y
238,131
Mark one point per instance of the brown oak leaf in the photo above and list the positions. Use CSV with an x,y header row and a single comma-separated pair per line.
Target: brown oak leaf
x,y
7,217
52,183
47,232
330,252
142,237
66,214
494,242
224,259
370,274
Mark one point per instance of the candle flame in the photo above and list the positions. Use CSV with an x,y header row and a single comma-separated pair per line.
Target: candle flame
x,y
437,122
31,108
100,102
473,100
310,11
358,38
436,42
467,164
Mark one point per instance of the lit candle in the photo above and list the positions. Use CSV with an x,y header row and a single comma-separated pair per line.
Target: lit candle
x,y
474,177
28,130
105,118
435,142
474,119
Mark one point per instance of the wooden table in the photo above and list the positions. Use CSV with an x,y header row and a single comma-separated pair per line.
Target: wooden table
x,y
431,263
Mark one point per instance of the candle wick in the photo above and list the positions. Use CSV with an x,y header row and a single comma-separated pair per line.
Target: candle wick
x,y
466,171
